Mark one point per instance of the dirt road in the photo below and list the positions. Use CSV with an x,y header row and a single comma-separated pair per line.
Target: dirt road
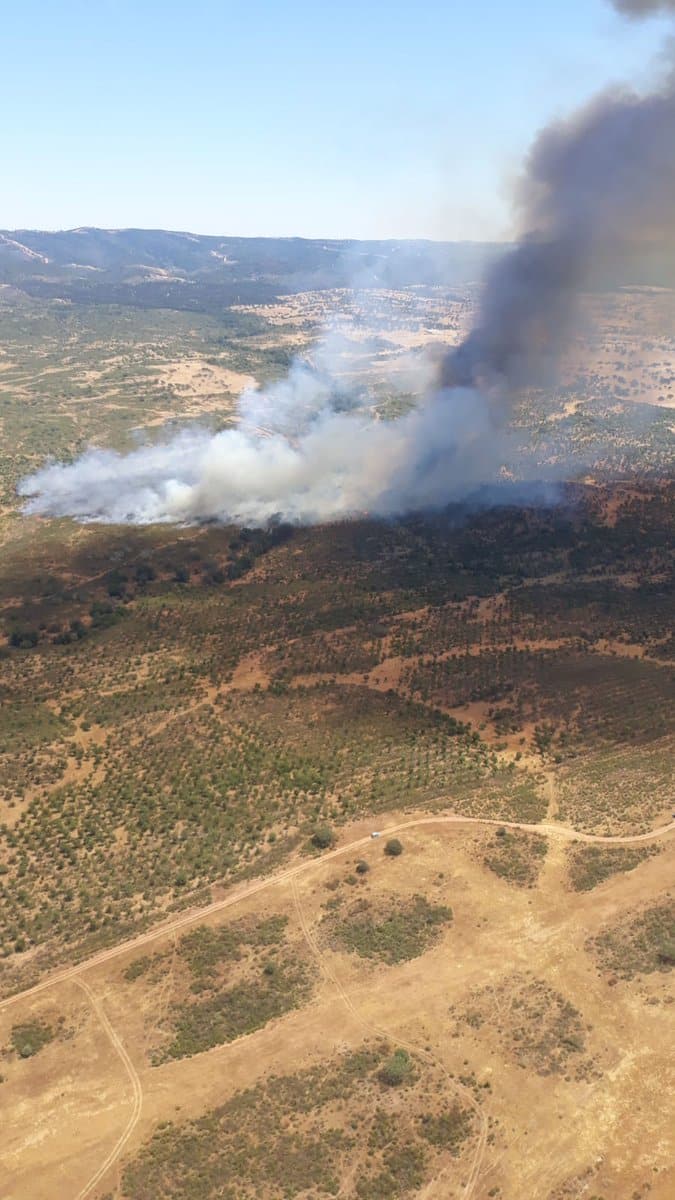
x,y
130,1069
290,874
191,918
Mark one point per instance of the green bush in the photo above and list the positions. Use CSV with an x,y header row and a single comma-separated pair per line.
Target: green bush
x,y
235,1011
393,848
448,1130
397,1070
405,930
323,837
639,946
590,865
28,1039
516,856
666,952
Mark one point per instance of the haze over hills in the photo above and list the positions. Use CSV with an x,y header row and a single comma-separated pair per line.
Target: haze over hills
x,y
91,264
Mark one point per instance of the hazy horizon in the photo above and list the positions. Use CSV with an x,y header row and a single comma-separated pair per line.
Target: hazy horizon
x,y
298,237
374,122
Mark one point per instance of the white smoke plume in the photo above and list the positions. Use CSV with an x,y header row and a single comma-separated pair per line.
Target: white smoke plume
x,y
598,189
296,454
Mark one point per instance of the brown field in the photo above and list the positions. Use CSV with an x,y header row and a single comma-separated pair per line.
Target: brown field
x,y
214,983
560,1066
628,344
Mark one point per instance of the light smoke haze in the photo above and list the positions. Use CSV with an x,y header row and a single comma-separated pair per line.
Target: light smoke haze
x,y
597,192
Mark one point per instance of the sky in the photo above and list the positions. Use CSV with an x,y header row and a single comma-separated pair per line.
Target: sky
x,y
363,118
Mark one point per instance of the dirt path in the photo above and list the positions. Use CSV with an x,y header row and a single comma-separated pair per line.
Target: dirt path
x,y
290,874
462,1092
191,918
551,797
137,1093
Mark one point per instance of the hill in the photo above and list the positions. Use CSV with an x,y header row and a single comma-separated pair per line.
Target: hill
x,y
162,269
214,982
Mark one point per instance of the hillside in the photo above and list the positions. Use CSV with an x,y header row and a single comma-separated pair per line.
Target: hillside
x,y
160,269
202,726
191,717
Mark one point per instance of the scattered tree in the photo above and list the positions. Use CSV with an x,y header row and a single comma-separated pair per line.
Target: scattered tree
x,y
323,837
397,1070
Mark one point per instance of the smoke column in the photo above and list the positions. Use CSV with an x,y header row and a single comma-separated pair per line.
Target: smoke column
x,y
643,8
597,193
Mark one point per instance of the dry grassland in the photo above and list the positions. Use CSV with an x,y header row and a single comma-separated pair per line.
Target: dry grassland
x,y
511,1017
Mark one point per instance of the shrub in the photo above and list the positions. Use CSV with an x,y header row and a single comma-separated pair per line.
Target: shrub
x,y
666,952
516,856
590,865
403,931
397,1070
393,848
448,1130
639,946
323,837
362,867
230,1013
24,639
29,1039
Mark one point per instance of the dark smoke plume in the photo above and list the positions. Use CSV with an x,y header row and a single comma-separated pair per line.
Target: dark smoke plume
x,y
598,194
643,8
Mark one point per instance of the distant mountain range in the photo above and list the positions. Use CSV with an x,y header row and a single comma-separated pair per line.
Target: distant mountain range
x,y
159,268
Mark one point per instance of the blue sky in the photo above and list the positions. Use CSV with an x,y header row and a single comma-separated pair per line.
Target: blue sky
x,y
352,119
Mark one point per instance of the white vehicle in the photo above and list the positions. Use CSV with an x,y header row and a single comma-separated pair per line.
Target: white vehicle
x,y
375,833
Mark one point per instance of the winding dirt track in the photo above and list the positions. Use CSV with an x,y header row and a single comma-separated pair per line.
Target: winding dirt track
x,y
191,918
290,874
136,1089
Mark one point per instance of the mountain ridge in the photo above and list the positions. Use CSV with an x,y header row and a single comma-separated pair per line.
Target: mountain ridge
x,y
88,264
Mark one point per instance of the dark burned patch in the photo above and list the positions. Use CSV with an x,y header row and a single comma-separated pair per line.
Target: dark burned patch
x,y
575,699
137,775
106,572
